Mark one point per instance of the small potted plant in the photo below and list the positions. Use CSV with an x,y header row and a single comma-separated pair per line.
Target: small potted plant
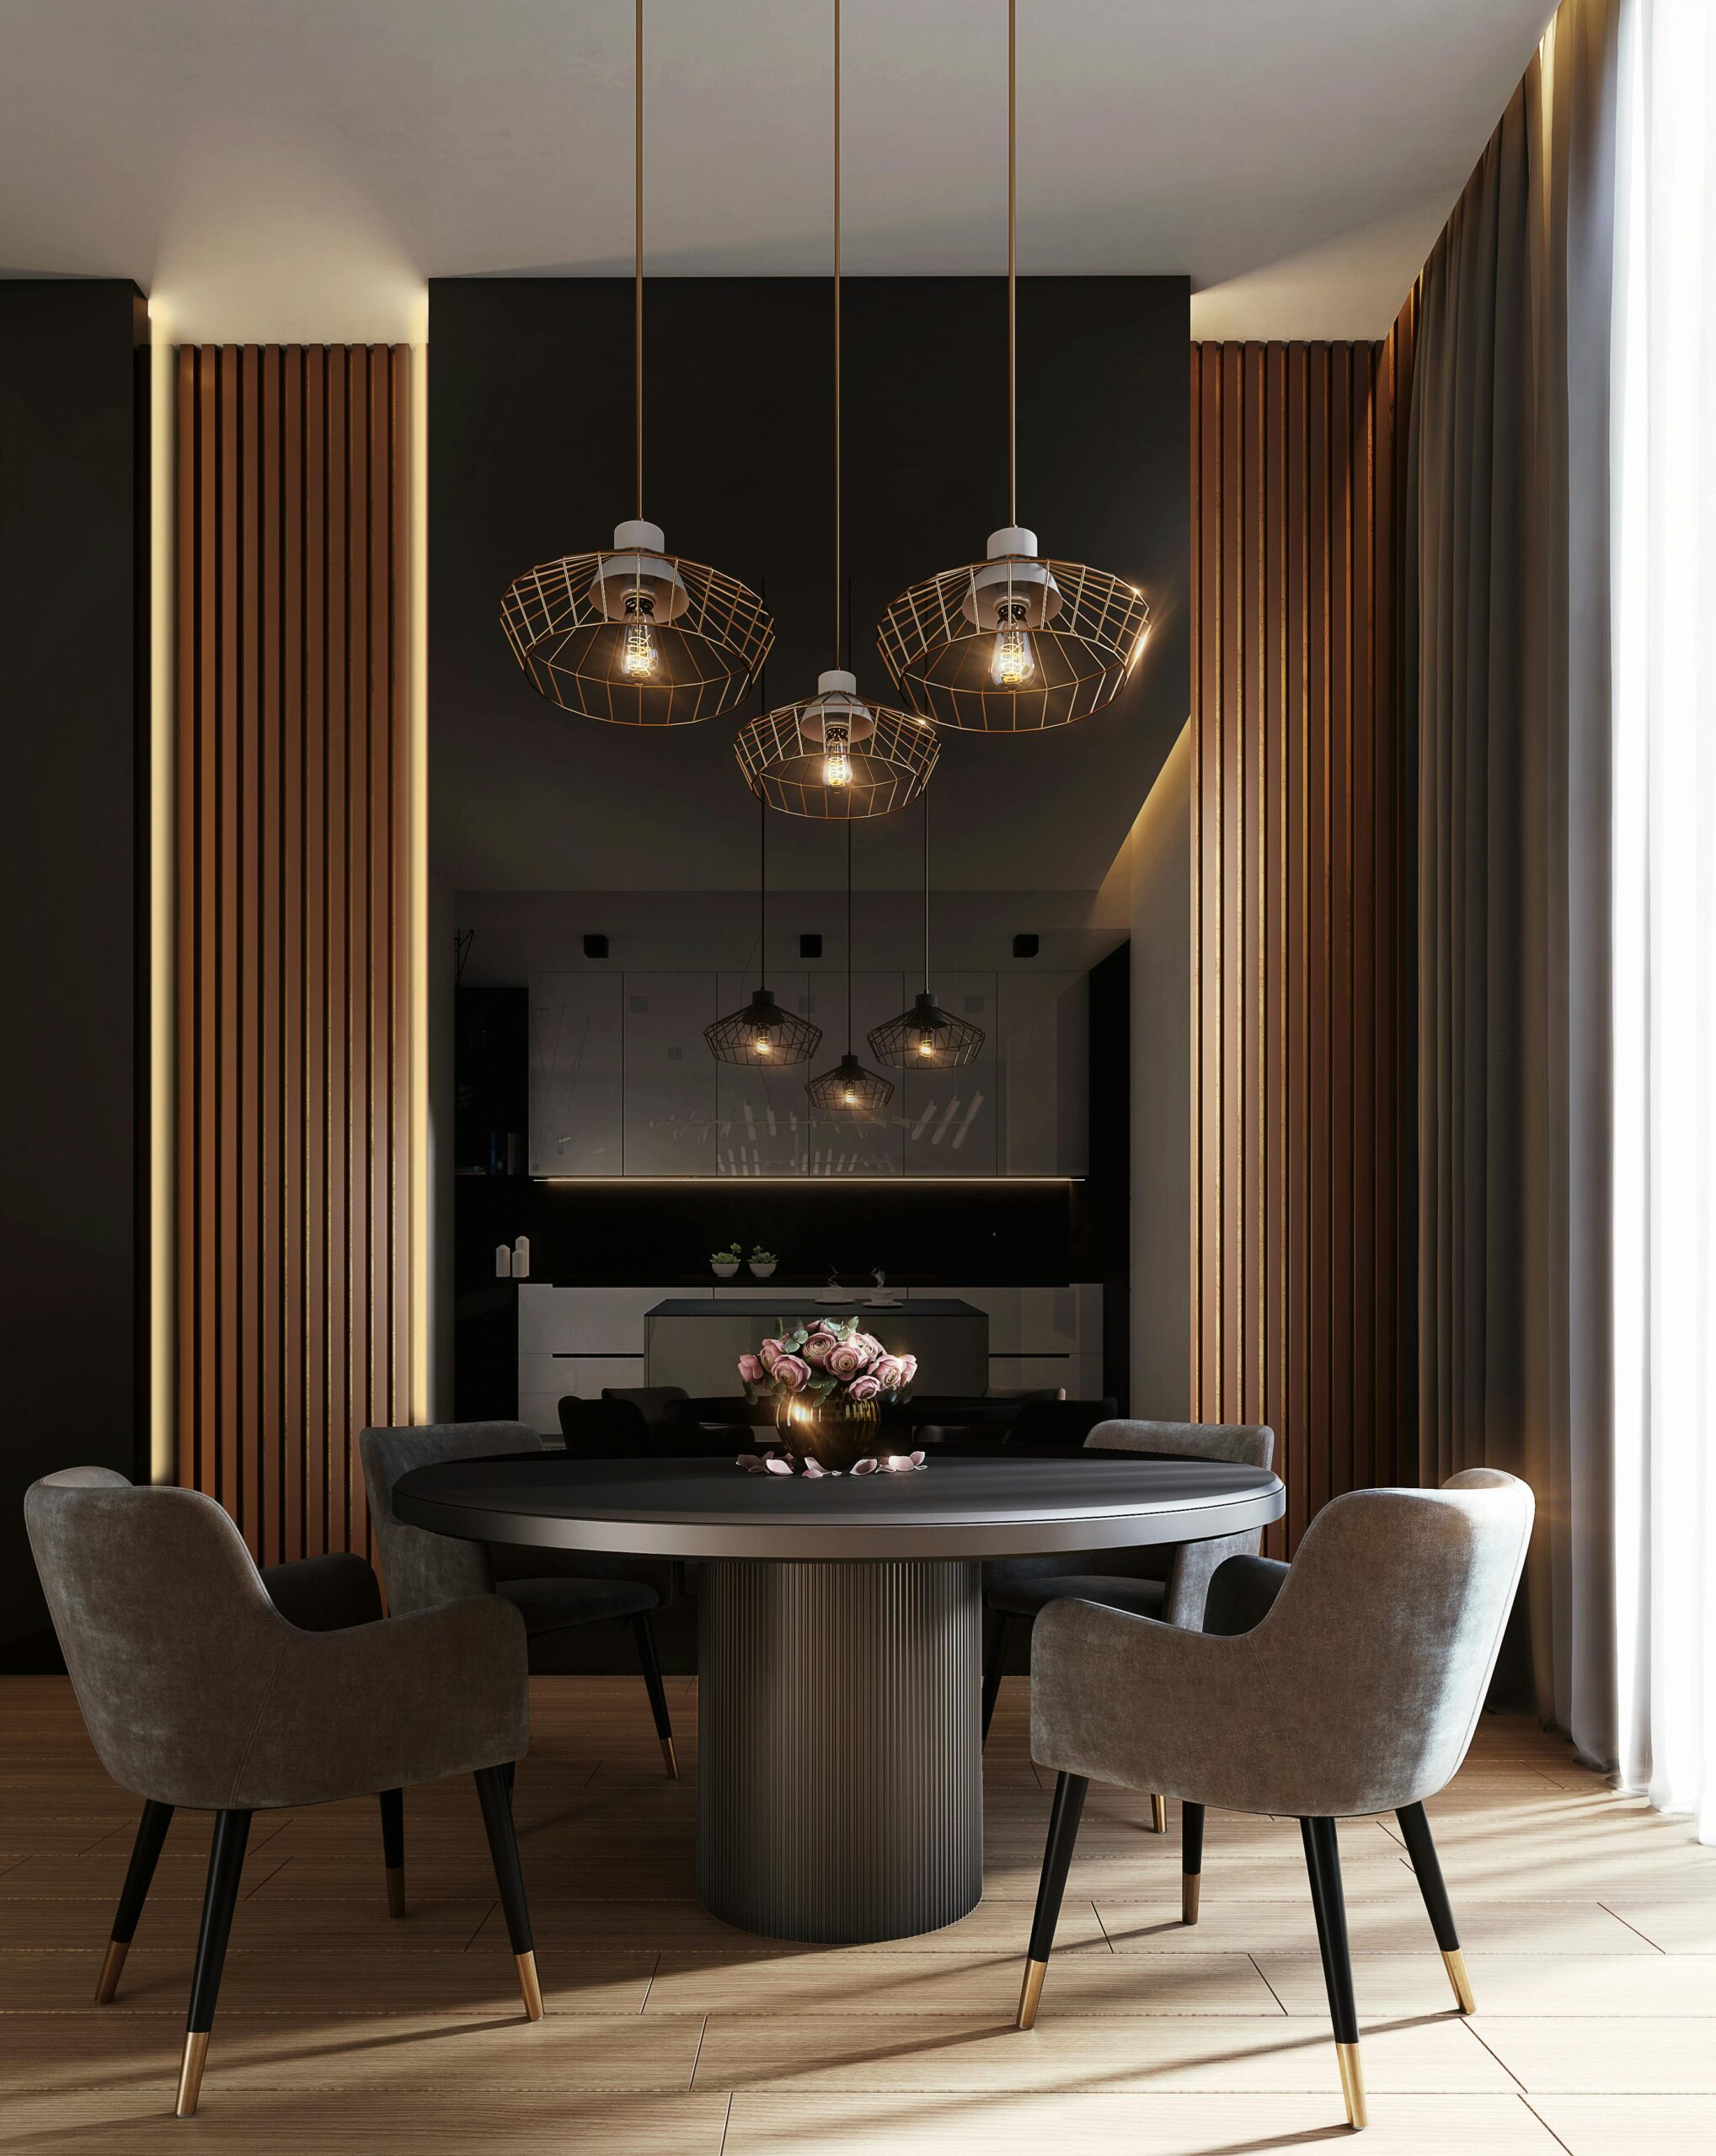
x,y
724,1263
763,1262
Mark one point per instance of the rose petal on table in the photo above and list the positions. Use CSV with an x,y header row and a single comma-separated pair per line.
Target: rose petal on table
x,y
864,1467
813,1470
778,1466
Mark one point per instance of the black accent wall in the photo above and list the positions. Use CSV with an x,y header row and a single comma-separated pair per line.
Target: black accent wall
x,y
74,1124
530,457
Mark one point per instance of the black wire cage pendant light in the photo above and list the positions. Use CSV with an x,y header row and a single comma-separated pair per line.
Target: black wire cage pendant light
x,y
633,635
835,755
849,1088
926,1038
1013,645
762,1036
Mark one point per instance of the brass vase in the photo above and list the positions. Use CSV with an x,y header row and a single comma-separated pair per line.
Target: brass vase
x,y
834,1432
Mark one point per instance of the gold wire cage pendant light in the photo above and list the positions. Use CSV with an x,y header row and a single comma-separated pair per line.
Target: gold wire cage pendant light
x,y
632,634
926,1038
762,1036
834,755
1014,644
848,1088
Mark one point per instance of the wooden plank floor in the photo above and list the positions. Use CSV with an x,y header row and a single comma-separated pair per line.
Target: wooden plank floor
x,y
1589,1926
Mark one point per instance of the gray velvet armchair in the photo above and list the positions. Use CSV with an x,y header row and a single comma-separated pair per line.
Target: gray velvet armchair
x,y
551,1589
1349,1683
1168,1581
207,1684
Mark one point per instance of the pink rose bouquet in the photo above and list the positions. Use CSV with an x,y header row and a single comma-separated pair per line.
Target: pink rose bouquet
x,y
826,1360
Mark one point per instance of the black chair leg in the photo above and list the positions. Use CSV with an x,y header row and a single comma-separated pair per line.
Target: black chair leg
x,y
392,1803
1323,1863
151,1832
1420,1847
1057,1858
1191,1859
503,1848
220,1899
644,1632
994,1656
510,1775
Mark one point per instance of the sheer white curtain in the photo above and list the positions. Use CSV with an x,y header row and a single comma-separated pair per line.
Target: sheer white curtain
x,y
1664,836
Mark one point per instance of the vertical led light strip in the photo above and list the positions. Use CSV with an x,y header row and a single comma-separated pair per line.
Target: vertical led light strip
x,y
421,1135
162,1435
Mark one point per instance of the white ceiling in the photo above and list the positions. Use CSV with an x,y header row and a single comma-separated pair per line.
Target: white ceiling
x,y
280,168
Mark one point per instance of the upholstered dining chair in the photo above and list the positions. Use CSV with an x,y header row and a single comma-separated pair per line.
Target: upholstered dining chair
x,y
550,1590
206,1683
1168,1581
658,1404
1347,1684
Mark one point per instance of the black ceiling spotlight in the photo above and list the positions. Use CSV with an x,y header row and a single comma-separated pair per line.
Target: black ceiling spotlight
x,y
926,1038
595,946
849,1086
810,946
1024,946
762,1035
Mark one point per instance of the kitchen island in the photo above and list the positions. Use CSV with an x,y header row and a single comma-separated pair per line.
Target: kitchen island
x,y
696,1341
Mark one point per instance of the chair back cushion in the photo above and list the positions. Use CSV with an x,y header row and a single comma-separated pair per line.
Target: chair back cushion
x,y
1246,1444
167,1629
1383,1640
655,1403
604,1429
422,1571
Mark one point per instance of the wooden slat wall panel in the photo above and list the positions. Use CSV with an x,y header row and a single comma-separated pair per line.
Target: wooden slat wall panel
x,y
293,931
1302,865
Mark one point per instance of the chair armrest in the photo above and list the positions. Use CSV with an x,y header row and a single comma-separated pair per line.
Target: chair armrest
x,y
1195,1564
378,1706
1124,1699
324,1594
1243,1593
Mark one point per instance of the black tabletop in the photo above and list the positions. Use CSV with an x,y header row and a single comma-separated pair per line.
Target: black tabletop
x,y
979,1507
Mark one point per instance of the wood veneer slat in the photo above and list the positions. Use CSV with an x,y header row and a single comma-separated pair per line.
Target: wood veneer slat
x,y
293,931
1302,989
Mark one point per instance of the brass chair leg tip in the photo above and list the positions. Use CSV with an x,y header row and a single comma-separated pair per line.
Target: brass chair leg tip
x,y
1352,2085
1189,1884
1455,1963
1030,1993
1159,1815
529,1988
107,1984
671,1758
196,2048
396,1890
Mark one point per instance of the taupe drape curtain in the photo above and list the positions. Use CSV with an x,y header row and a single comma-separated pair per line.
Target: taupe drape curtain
x,y
1508,507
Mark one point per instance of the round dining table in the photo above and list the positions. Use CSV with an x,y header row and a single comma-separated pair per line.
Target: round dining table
x,y
840,1795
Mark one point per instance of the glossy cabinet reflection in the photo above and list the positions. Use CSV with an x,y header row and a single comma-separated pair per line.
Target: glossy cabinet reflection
x,y
622,1083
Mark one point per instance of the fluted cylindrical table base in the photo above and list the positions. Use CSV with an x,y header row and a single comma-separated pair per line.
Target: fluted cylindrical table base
x,y
840,1764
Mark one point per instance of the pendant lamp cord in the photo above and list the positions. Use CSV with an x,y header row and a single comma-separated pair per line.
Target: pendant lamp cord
x,y
638,247
849,935
762,889
837,616
926,893
1012,261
